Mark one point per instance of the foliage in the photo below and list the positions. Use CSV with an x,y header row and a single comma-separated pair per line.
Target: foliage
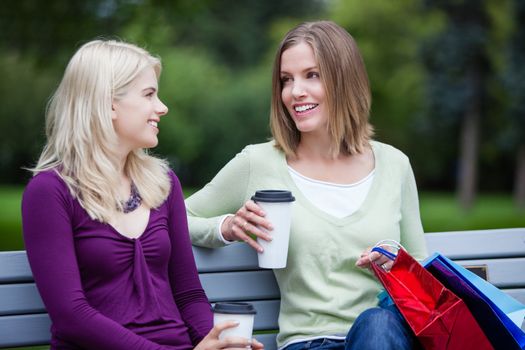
x,y
439,212
216,78
514,75
217,57
25,89
46,30
215,113
387,34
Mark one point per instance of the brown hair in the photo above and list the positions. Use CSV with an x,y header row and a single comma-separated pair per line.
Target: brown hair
x,y
346,86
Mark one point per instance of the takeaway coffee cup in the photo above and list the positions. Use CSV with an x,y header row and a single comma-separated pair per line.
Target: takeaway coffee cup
x,y
244,313
277,205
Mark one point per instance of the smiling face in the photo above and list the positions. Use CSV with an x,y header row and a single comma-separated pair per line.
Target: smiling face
x,y
303,93
136,114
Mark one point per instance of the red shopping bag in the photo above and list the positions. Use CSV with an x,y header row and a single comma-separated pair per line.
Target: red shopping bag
x,y
438,317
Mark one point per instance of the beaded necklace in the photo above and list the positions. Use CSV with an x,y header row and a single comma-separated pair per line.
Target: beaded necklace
x,y
133,202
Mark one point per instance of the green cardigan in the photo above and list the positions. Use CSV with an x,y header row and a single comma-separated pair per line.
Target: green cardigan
x,y
322,292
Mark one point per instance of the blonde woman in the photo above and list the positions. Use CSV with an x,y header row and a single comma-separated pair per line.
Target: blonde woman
x,y
350,191
104,223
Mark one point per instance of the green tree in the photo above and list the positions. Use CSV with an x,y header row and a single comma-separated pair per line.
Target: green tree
x,y
24,89
47,30
458,68
215,81
515,82
388,34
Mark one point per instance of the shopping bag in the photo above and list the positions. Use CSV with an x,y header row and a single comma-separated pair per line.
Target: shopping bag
x,y
438,317
498,314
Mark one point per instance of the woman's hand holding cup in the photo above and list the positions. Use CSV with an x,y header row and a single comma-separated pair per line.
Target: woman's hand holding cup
x,y
248,219
212,341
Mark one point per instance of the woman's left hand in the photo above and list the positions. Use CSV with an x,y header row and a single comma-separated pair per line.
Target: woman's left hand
x,y
211,340
369,257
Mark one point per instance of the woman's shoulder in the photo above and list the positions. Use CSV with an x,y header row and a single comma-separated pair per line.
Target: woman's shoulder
x,y
389,153
262,150
46,186
45,181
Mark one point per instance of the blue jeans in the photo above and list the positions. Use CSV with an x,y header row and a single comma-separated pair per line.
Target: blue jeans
x,y
378,328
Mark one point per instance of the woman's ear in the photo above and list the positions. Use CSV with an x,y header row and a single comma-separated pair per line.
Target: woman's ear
x,y
113,112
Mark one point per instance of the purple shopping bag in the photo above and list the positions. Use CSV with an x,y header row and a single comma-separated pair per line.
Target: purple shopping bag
x,y
501,331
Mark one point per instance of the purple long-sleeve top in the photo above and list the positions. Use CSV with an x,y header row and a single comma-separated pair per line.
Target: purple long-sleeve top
x,y
107,291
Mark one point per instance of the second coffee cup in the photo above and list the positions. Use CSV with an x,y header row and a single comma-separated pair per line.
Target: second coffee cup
x,y
277,204
244,313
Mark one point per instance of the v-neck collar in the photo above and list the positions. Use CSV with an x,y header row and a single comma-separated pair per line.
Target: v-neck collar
x,y
372,193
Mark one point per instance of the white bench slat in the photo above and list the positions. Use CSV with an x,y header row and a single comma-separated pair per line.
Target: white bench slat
x,y
36,327
478,244
16,299
246,285
266,319
235,257
516,293
14,267
232,274
267,314
268,340
24,330
24,299
503,273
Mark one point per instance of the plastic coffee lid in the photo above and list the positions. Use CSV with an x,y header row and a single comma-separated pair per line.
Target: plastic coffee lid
x,y
234,308
273,196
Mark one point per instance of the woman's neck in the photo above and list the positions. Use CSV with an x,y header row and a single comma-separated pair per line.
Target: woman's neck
x,y
315,146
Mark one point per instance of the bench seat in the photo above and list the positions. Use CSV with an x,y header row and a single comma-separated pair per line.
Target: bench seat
x,y
232,274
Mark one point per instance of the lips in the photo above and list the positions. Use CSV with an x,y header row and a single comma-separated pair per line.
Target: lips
x,y
153,123
304,108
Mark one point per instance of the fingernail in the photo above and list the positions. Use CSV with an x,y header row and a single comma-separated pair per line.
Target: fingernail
x,y
260,250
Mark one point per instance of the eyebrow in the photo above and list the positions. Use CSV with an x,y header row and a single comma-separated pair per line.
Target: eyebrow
x,y
150,88
304,70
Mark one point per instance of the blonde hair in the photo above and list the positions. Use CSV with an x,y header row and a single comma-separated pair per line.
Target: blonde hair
x,y
346,86
81,140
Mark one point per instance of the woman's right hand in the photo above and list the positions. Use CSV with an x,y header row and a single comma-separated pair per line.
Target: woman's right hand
x,y
248,219
212,342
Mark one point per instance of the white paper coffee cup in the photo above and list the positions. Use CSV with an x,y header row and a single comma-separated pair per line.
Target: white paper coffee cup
x,y
277,204
244,313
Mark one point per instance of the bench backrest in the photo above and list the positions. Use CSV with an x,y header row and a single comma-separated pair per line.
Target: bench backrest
x,y
232,274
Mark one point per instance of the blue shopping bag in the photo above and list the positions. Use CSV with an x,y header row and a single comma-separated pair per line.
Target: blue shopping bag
x,y
498,314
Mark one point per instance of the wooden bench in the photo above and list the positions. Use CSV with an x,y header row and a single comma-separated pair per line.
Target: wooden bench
x,y
231,274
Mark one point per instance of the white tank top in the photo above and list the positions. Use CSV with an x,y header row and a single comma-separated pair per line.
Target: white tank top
x,y
335,199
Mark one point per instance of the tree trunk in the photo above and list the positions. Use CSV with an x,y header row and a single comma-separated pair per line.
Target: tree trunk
x,y
467,181
468,162
519,181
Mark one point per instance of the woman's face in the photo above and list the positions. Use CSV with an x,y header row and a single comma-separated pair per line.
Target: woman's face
x,y
302,89
137,113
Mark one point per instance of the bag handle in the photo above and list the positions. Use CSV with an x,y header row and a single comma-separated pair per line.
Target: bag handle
x,y
385,252
389,243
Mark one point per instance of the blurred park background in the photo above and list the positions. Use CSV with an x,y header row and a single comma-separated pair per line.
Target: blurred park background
x,y
447,76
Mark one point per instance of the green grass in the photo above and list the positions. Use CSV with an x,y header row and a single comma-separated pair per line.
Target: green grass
x,y
10,218
439,212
